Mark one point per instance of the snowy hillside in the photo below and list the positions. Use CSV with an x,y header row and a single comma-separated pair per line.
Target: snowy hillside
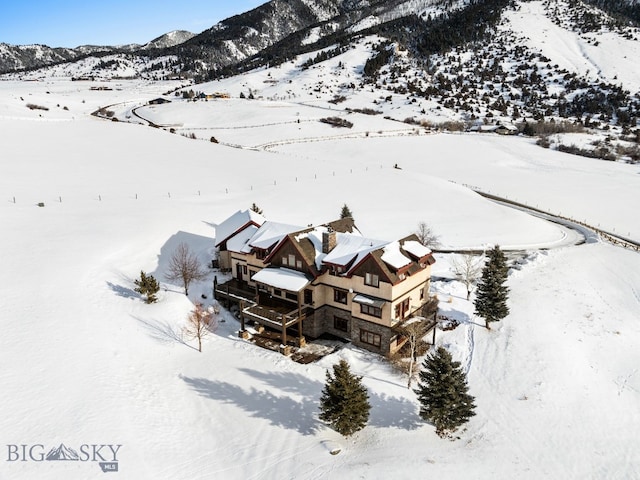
x,y
170,39
86,362
104,173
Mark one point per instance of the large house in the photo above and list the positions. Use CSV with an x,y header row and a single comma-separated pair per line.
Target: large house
x,y
323,279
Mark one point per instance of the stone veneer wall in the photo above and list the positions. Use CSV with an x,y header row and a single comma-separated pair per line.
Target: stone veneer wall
x,y
323,323
386,334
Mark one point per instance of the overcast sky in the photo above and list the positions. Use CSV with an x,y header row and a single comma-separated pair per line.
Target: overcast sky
x,y
70,23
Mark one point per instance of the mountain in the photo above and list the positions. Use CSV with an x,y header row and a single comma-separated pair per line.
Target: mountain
x,y
29,57
167,40
21,57
297,24
551,66
62,453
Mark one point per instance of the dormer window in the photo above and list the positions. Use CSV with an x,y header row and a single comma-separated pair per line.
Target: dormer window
x,y
336,269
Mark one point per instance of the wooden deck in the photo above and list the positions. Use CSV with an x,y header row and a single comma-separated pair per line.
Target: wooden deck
x,y
276,317
234,291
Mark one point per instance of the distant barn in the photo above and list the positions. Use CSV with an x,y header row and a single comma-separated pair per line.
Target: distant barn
x,y
159,101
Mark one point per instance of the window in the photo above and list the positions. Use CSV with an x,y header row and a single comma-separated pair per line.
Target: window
x,y
340,296
251,274
308,297
371,310
291,296
292,260
284,261
422,294
336,270
244,269
402,309
341,324
277,293
299,264
370,338
371,279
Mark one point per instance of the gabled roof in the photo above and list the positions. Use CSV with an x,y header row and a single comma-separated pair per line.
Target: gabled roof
x,y
269,234
308,241
351,249
399,257
393,256
238,242
236,223
415,248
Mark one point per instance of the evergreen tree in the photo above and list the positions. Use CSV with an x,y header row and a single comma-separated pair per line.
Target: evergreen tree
x,y
346,212
344,404
443,393
492,293
148,286
256,209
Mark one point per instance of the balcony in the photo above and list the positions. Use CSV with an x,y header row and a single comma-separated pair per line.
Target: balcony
x,y
234,291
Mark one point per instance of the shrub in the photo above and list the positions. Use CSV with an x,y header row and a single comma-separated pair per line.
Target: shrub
x,y
147,286
337,122
33,106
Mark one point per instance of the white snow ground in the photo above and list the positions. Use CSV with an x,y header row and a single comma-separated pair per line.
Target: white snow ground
x,y
85,361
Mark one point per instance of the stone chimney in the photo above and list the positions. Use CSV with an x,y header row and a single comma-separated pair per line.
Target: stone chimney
x,y
328,241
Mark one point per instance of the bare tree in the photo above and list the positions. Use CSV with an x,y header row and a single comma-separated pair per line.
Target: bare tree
x,y
184,266
467,268
427,236
200,323
414,331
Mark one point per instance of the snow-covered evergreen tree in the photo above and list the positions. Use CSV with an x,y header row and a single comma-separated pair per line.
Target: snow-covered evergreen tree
x,y
344,404
443,393
492,293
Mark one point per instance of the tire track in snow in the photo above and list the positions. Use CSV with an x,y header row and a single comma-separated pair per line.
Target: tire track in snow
x,y
470,345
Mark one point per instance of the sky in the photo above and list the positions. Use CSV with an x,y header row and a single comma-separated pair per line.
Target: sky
x,y
70,23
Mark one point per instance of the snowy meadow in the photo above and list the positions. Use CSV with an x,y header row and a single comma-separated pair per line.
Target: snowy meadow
x,y
85,362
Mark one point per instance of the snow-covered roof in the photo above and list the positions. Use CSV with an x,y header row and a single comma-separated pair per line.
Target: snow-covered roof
x,y
238,242
269,234
235,222
394,257
366,300
283,278
351,247
416,248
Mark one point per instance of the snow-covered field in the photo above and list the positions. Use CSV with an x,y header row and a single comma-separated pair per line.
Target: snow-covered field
x,y
86,362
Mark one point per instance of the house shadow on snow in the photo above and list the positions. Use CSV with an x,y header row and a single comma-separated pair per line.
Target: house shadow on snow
x,y
202,247
280,411
300,415
386,410
393,412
